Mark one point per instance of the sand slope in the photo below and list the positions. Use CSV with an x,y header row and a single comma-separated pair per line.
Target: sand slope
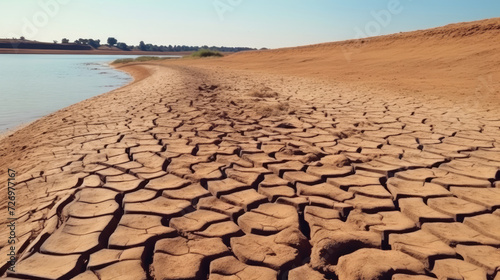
x,y
456,61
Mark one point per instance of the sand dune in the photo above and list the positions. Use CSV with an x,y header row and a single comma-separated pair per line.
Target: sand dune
x,y
456,61
285,164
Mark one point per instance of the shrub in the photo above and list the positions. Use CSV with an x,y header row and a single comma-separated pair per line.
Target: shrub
x,y
123,60
94,43
140,59
206,53
112,41
122,46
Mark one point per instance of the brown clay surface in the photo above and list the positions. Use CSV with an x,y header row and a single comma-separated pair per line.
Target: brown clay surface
x,y
202,169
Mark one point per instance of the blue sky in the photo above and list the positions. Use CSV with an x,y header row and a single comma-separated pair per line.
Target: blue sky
x,y
253,23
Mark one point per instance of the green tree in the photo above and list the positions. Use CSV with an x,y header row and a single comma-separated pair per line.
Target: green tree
x,y
65,41
94,43
112,41
123,46
142,46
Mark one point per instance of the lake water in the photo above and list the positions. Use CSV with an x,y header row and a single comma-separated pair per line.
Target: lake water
x,y
32,85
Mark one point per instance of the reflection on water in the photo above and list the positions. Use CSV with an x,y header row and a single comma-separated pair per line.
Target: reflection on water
x,y
32,86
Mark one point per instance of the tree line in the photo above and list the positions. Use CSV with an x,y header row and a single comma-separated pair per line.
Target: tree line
x,y
150,47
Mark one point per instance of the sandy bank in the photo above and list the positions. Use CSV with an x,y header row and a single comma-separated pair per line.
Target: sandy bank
x,y
458,61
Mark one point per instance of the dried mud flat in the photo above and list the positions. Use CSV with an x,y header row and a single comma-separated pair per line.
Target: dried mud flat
x,y
196,173
186,174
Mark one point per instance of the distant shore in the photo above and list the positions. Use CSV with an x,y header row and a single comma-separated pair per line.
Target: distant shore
x,y
87,52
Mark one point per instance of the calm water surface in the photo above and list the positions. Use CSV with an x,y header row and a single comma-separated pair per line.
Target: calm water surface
x,y
32,86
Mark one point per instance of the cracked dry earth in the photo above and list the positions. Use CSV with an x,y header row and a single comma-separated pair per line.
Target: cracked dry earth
x,y
223,175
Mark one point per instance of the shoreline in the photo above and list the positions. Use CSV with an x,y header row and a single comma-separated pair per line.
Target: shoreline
x,y
93,52
134,75
9,131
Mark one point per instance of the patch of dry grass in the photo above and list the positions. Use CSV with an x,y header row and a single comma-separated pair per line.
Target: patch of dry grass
x,y
263,92
206,53
140,59
275,109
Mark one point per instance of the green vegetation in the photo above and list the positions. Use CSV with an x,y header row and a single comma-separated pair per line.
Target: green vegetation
x,y
206,53
205,50
94,43
122,46
139,59
112,41
91,42
178,48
